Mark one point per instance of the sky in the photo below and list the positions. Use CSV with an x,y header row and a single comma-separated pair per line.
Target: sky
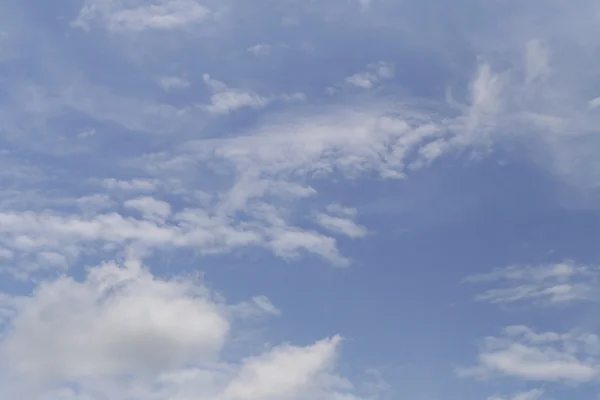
x,y
299,199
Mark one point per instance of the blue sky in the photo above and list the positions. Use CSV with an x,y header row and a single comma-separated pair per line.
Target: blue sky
x,y
329,200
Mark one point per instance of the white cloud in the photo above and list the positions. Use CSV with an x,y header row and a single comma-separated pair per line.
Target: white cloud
x,y
486,91
150,207
349,140
31,233
523,353
258,306
225,100
375,73
138,16
122,333
551,283
285,372
340,220
119,320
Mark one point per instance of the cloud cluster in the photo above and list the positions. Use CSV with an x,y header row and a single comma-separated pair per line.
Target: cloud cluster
x,y
123,333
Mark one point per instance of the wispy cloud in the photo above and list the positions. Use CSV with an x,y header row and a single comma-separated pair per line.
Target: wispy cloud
x,y
523,353
169,83
340,220
260,49
375,73
551,283
225,100
122,16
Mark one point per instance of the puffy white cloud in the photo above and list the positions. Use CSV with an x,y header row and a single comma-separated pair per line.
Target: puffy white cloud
x,y
523,353
286,372
550,283
119,320
122,333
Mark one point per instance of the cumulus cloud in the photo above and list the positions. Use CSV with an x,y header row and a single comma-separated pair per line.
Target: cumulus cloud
x,y
124,333
551,283
548,356
119,320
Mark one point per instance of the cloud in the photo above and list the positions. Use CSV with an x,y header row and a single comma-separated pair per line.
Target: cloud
x,y
551,283
260,49
225,100
150,208
122,333
339,220
120,17
119,320
258,306
285,373
30,233
349,140
375,73
523,353
169,83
